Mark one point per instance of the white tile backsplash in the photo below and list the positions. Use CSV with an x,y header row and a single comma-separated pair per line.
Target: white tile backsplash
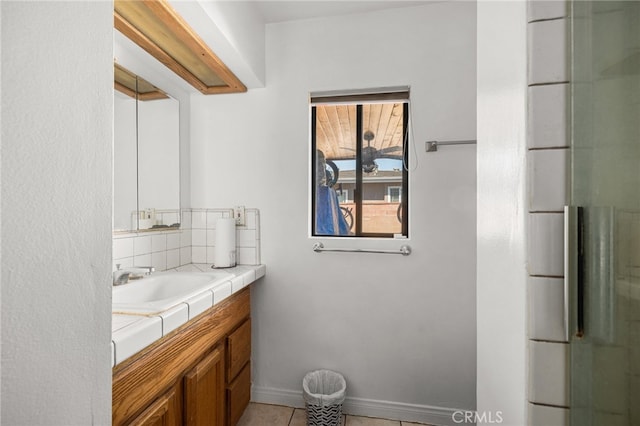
x,y
549,373
198,254
185,217
124,262
247,256
199,219
142,260
158,243
159,260
211,256
246,237
173,258
212,218
186,238
547,171
173,240
122,247
250,218
142,245
185,255
199,237
548,60
171,249
547,125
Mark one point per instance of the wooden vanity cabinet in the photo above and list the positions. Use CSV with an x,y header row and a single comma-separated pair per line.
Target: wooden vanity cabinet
x,y
204,388
238,372
164,411
197,375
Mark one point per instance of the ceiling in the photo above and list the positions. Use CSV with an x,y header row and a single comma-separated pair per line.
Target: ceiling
x,y
139,60
382,129
280,11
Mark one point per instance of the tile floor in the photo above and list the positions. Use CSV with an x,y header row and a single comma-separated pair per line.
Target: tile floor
x,y
277,415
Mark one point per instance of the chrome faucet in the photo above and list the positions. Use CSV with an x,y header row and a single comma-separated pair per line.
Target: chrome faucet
x,y
122,276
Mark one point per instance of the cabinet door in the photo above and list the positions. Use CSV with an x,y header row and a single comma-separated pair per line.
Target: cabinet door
x,y
239,348
204,391
238,395
164,411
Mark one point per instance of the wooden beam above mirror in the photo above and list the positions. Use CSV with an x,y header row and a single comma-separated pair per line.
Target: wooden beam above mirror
x,y
158,29
128,83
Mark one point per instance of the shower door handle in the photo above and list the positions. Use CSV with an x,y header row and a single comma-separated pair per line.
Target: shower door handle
x,y
574,271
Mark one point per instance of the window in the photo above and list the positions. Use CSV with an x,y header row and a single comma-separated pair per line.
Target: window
x,y
394,194
359,157
343,195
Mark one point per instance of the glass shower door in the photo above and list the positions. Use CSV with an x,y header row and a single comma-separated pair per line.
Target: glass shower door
x,y
604,319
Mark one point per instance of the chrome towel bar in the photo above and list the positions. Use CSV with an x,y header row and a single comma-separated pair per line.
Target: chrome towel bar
x,y
404,250
432,146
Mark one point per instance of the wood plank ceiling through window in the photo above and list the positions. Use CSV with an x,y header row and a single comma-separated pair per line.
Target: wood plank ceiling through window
x,y
164,34
336,129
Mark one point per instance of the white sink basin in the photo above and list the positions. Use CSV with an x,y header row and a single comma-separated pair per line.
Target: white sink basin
x,y
162,290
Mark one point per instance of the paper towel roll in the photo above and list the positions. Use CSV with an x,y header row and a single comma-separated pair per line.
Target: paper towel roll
x,y
225,248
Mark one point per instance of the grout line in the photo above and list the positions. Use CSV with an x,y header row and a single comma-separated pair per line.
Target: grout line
x,y
548,19
546,211
545,276
537,212
549,341
548,148
551,83
548,405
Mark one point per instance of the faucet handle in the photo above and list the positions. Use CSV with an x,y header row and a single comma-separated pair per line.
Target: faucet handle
x,y
147,270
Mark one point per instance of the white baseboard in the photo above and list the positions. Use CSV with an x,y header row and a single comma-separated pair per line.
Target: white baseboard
x,y
275,396
363,407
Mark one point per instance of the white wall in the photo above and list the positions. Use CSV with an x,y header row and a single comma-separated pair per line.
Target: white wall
x,y
501,287
401,329
57,112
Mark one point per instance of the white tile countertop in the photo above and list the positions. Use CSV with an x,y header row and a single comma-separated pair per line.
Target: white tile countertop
x,y
132,333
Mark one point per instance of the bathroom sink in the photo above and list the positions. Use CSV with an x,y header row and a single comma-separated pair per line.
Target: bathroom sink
x,y
161,291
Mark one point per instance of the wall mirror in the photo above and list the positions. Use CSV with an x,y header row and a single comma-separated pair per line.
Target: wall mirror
x,y
146,175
